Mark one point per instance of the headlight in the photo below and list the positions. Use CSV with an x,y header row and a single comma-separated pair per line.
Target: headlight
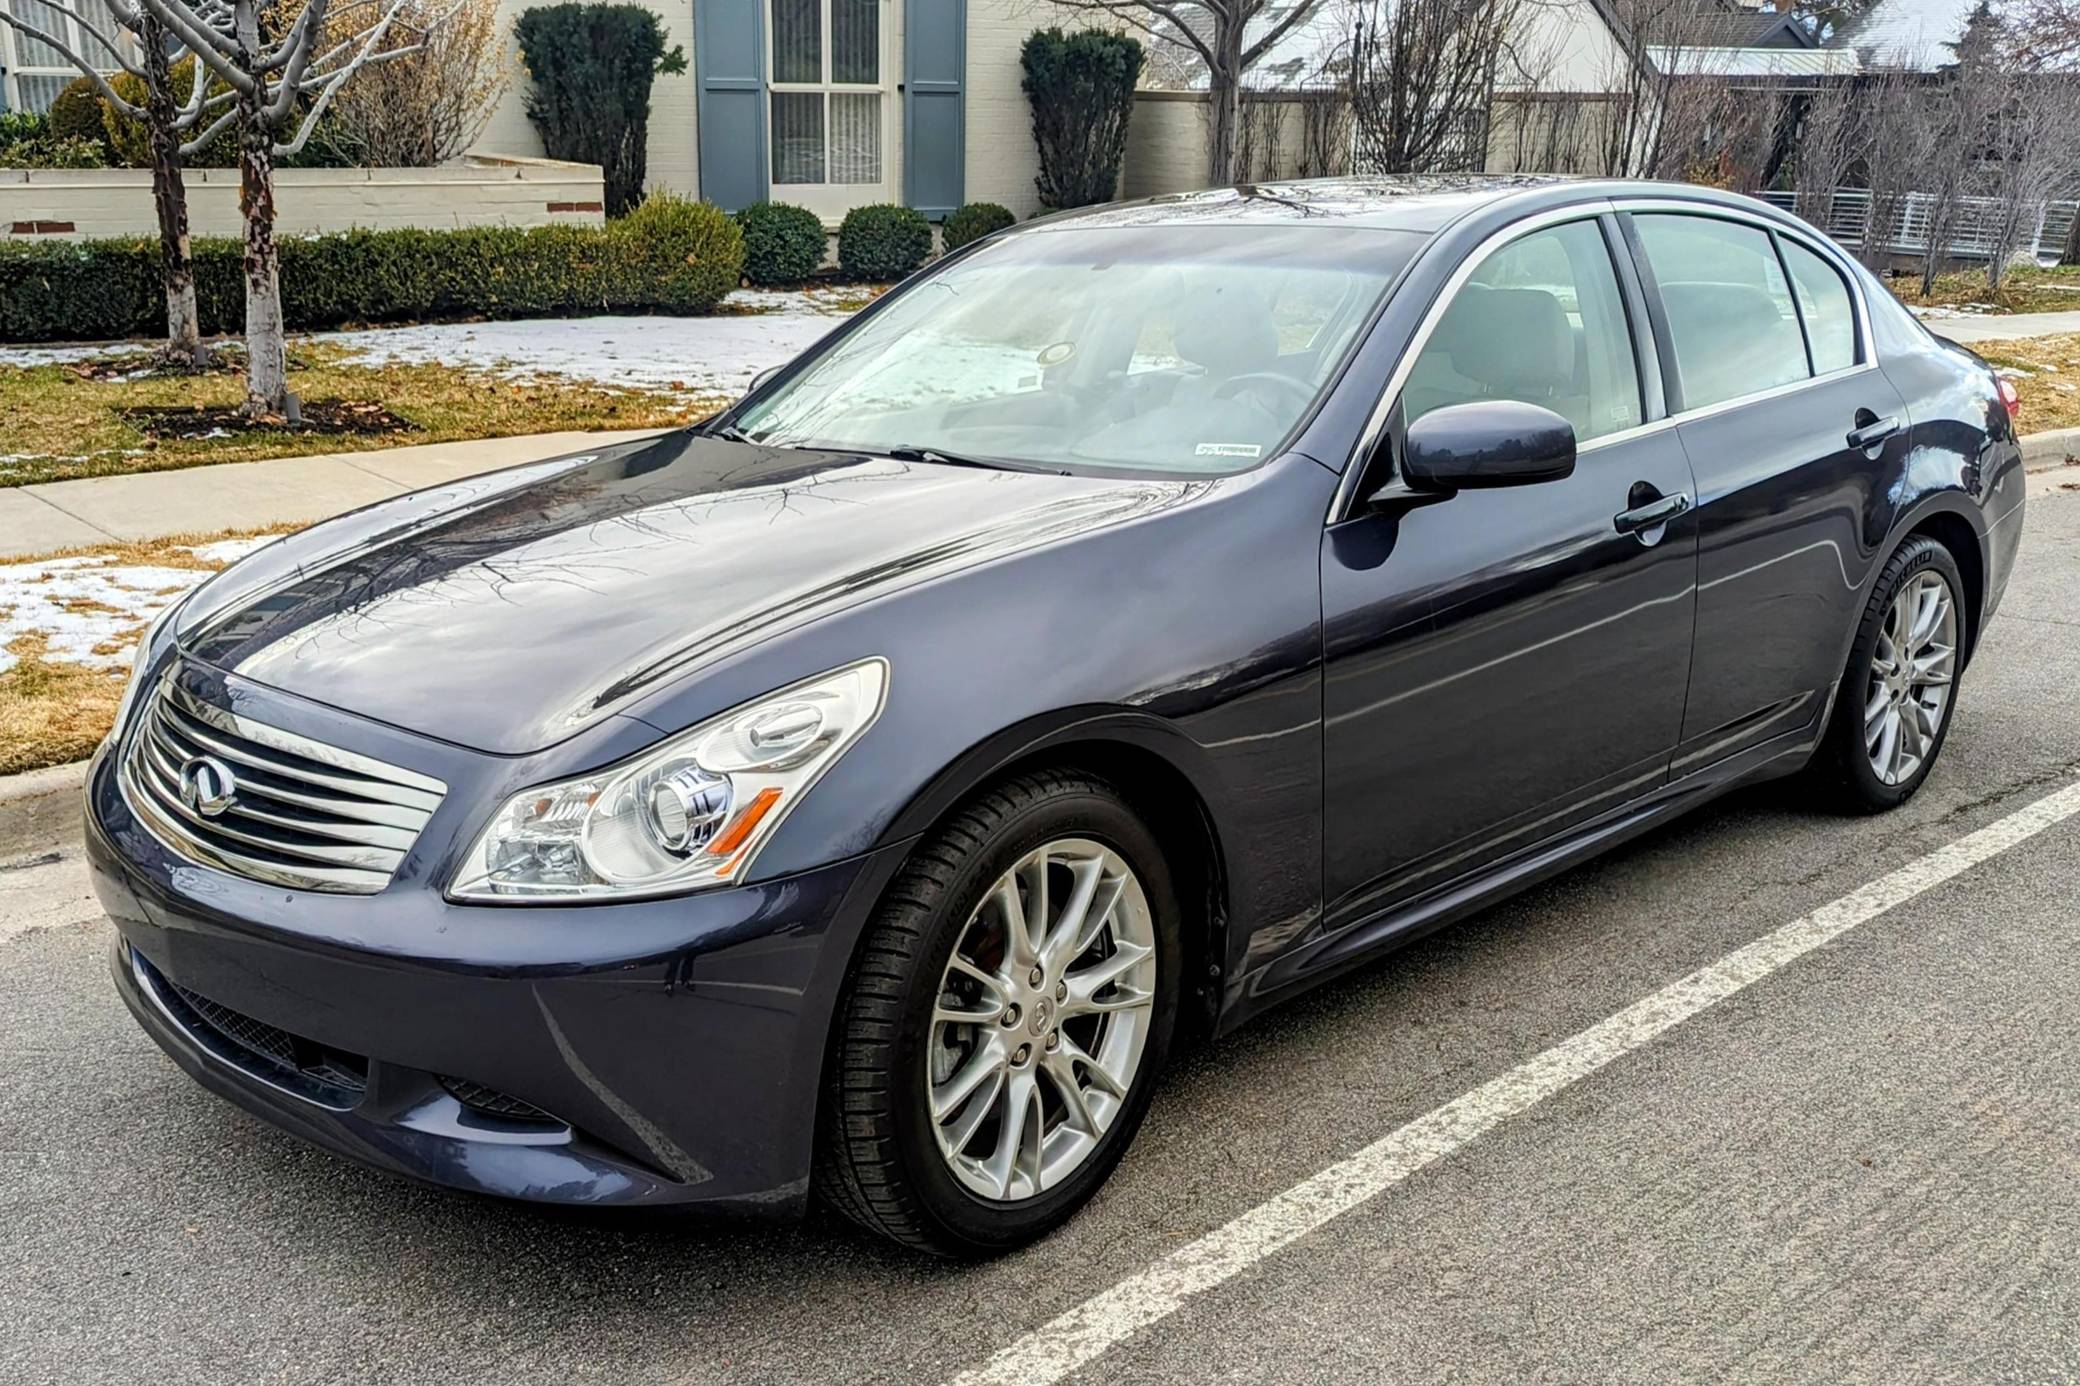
x,y
690,812
148,647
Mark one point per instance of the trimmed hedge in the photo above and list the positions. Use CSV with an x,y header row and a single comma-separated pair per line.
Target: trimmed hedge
x,y
882,241
783,243
668,256
48,151
972,223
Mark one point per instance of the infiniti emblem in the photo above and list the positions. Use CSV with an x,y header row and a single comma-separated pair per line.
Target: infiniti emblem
x,y
208,786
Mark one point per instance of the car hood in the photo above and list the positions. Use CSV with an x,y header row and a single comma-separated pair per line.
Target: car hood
x,y
518,614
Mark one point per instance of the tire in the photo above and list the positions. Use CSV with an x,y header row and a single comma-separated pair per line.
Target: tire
x,y
1845,769
895,1050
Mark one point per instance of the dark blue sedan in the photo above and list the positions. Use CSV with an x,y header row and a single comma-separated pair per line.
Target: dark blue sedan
x,y
1140,616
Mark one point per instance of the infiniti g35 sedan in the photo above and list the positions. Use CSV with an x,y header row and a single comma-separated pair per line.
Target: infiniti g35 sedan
x,y
1137,618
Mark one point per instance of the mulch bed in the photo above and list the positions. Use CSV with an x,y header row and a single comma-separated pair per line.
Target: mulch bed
x,y
322,416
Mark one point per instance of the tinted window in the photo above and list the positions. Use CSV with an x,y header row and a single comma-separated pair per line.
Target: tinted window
x,y
1540,321
1729,310
1824,300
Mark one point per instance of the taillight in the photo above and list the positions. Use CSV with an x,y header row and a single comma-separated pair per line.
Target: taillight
x,y
2009,396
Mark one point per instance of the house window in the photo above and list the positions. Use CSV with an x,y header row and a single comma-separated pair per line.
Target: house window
x,y
827,92
37,72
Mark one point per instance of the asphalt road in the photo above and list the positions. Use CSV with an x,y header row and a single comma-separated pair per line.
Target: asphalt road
x,y
1863,1167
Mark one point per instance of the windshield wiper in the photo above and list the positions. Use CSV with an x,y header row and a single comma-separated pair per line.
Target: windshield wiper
x,y
910,452
731,432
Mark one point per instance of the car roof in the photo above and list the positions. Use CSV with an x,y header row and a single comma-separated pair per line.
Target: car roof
x,y
1424,203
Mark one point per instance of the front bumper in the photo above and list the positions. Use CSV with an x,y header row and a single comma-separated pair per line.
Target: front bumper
x,y
673,1048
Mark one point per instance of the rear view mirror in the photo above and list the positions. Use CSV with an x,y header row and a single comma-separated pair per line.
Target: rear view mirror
x,y
1500,442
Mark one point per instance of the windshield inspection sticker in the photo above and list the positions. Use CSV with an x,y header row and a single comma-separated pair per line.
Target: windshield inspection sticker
x,y
1228,450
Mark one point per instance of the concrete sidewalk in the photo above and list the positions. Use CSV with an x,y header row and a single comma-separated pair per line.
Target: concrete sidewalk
x,y
2000,327
253,495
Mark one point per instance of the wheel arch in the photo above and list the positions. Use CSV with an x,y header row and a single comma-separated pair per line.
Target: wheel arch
x,y
1954,530
1164,776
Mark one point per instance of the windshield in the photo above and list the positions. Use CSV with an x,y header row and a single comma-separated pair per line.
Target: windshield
x,y
1190,349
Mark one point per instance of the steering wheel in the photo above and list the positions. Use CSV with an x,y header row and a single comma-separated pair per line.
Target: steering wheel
x,y
1298,391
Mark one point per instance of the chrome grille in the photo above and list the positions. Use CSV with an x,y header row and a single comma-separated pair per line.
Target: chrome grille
x,y
302,814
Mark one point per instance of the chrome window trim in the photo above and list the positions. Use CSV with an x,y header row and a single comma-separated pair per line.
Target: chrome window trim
x,y
1375,425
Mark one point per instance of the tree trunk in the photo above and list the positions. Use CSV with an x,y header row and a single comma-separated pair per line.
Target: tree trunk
x,y
267,348
170,197
1224,100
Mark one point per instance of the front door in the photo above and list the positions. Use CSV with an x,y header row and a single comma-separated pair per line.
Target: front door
x,y
1501,664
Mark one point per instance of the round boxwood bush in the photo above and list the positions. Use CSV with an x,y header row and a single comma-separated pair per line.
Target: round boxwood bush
x,y
882,241
75,114
973,222
783,243
691,253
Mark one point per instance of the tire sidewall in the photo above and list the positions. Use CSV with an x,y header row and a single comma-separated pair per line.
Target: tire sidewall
x,y
962,1217
1920,555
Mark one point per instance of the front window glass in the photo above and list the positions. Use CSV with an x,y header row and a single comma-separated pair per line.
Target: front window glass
x,y
1176,348
1729,310
1540,322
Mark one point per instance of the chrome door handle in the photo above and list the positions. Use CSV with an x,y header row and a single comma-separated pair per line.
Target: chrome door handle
x,y
1654,513
1867,436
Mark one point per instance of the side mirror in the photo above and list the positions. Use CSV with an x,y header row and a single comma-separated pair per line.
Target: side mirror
x,y
1501,442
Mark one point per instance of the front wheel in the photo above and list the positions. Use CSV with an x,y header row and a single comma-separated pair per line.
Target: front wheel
x,y
1893,711
1008,1011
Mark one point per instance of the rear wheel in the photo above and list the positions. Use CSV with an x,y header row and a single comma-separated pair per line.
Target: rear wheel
x,y
1893,711
1011,1004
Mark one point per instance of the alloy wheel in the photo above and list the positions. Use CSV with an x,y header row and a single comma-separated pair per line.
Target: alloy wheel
x,y
1911,672
1040,1021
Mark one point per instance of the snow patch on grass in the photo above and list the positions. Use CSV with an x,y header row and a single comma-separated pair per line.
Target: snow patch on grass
x,y
90,610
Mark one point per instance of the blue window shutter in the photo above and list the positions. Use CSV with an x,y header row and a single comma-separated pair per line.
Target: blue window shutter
x,y
729,72
935,145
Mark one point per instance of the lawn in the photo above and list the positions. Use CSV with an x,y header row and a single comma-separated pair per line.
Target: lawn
x,y
68,623
2046,372
113,414
2024,289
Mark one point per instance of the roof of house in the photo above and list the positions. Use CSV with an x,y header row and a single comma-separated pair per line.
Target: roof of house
x,y
1729,24
1756,62
1911,34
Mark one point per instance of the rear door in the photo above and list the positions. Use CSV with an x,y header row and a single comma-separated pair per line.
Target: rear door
x,y
1789,427
1502,664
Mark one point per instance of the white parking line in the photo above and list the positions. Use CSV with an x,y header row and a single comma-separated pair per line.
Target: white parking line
x,y
1068,1342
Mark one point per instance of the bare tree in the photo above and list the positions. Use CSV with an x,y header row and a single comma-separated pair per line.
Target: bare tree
x,y
422,111
1898,135
2047,32
283,66
2033,162
1964,116
1219,31
1830,142
1422,77
121,39
1651,38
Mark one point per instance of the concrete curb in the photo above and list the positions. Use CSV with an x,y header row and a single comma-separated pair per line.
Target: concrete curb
x,y
40,809
2056,447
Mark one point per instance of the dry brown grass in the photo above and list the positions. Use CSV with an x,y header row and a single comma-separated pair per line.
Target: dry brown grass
x,y
55,711
59,422
2046,372
51,713
2024,289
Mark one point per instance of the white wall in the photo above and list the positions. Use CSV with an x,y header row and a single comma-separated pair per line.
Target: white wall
x,y
72,204
674,163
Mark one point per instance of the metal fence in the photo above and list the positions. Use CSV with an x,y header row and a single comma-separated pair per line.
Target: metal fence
x,y
1972,229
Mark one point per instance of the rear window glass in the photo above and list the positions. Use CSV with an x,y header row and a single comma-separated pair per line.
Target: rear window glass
x,y
1729,310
